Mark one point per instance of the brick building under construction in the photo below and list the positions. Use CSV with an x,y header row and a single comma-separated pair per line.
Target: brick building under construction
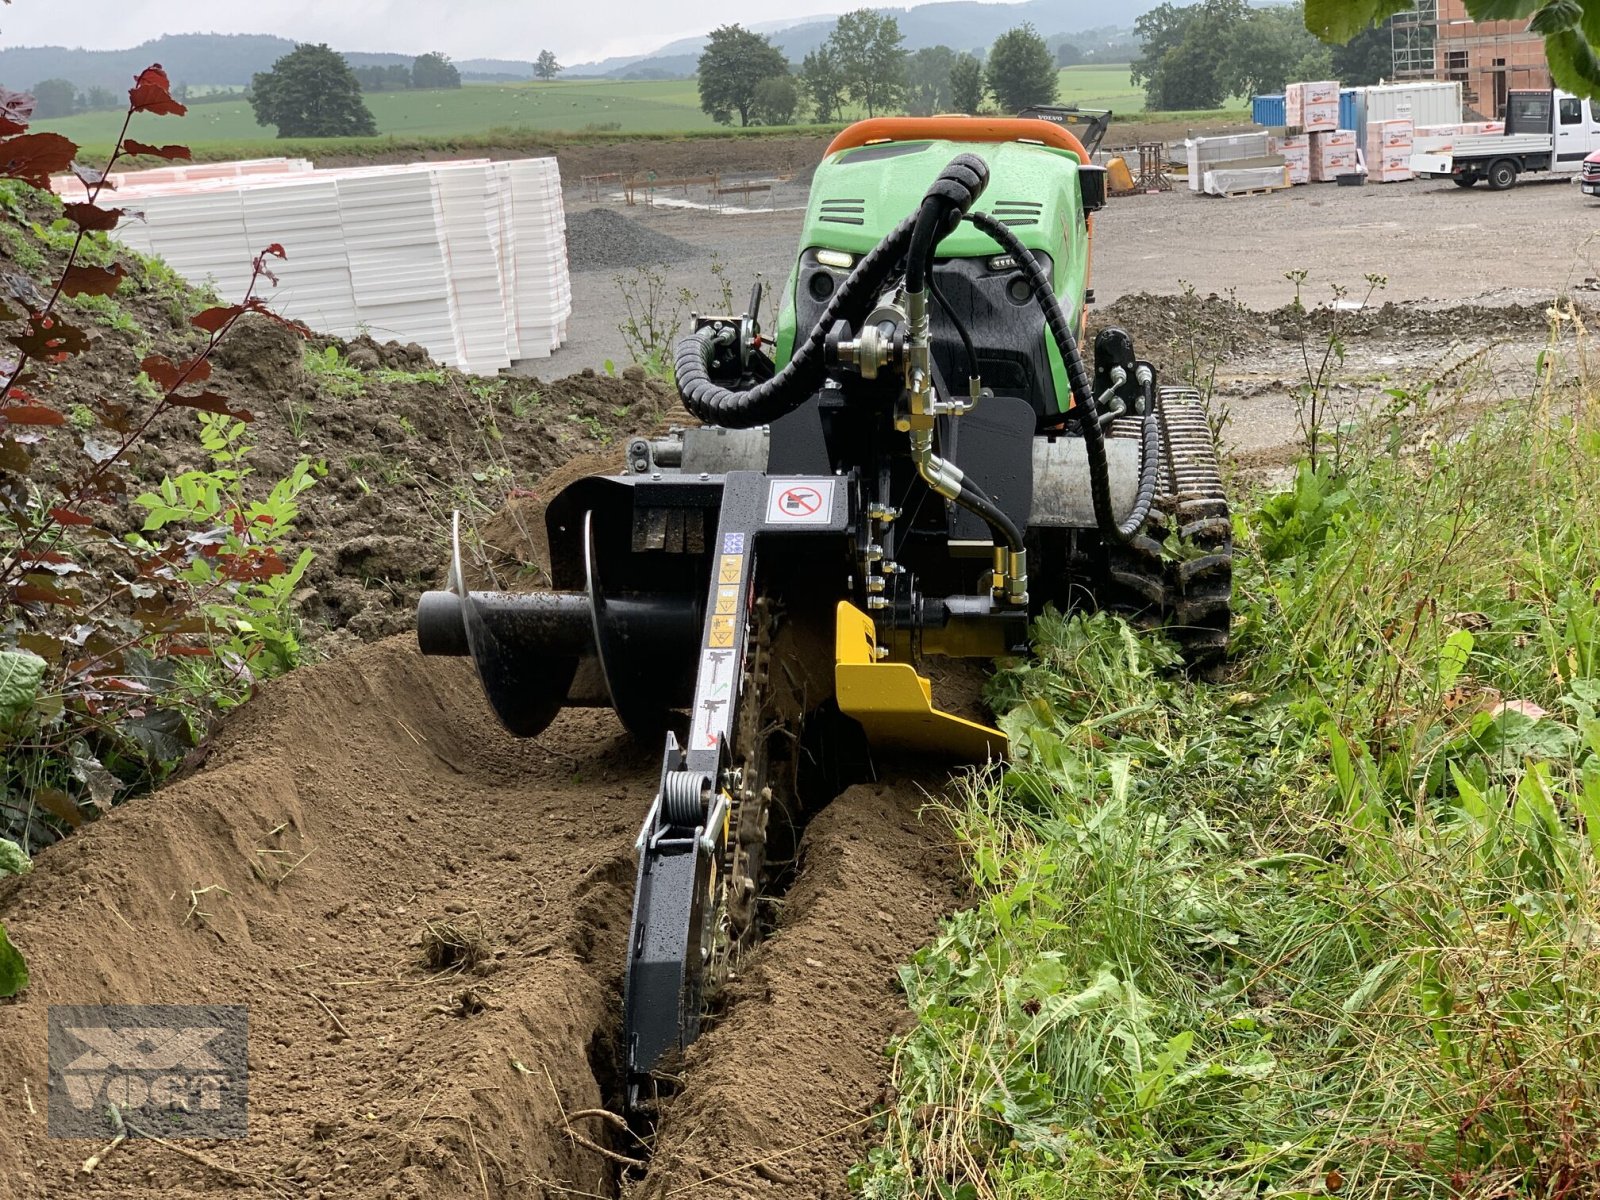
x,y
1489,58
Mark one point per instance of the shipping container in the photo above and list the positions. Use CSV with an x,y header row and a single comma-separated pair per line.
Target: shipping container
x,y
1419,103
1347,109
1268,111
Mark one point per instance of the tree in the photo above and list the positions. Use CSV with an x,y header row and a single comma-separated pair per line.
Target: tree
x,y
929,89
1267,49
1184,62
1366,59
823,82
966,84
311,92
1068,55
775,101
1021,71
434,70
733,65
546,66
98,98
54,98
872,58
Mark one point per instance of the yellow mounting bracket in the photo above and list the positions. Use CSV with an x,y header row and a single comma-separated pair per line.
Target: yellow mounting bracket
x,y
894,704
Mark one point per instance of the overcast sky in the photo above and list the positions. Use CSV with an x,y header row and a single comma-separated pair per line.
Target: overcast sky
x,y
577,30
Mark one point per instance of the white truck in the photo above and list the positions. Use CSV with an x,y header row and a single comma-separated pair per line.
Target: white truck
x,y
1545,131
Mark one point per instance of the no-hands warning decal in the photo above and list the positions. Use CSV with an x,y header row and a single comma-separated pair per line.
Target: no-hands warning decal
x,y
800,502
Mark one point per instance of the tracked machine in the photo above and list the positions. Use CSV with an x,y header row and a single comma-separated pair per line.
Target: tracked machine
x,y
921,459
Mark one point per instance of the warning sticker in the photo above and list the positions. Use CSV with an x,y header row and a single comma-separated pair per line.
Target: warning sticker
x,y
727,601
792,502
721,632
730,568
714,691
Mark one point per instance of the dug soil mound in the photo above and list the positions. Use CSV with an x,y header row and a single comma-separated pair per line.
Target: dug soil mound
x,y
1188,327
404,441
343,819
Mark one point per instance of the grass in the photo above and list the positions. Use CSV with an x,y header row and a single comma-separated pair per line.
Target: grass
x,y
1099,87
1326,927
522,116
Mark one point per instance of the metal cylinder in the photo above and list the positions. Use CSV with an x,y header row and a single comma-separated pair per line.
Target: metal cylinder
x,y
555,622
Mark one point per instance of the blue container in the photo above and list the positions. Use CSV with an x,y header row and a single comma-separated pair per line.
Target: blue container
x,y
1269,111
1348,118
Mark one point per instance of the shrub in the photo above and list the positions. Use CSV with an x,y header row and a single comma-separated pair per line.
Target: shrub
x,y
118,646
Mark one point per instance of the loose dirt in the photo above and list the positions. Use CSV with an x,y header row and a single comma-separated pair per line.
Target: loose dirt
x,y
780,1094
361,805
404,441
357,803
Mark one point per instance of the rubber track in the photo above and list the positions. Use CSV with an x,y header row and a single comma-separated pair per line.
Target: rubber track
x,y
1187,587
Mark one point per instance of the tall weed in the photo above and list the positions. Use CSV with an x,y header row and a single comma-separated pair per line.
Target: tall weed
x,y
1329,927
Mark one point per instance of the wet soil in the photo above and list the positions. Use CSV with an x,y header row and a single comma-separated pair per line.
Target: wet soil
x,y
355,804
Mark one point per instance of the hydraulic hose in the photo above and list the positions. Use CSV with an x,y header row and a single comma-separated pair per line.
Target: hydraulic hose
x,y
955,191
789,388
1083,398
952,194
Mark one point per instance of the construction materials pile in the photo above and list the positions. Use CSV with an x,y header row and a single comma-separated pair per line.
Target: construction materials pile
x,y
1238,164
1326,133
1440,139
1389,146
467,259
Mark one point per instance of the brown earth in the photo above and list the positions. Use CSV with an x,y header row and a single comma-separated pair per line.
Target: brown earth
x,y
667,157
340,813
780,1094
404,440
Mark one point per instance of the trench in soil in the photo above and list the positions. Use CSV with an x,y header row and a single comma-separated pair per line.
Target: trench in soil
x,y
357,804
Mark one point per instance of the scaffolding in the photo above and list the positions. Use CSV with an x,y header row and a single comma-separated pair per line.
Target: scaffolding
x,y
1415,37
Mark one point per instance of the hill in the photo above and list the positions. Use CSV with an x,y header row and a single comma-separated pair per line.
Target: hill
x,y
229,60
960,24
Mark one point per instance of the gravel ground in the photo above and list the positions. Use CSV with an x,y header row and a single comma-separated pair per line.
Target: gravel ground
x,y
1439,246
602,238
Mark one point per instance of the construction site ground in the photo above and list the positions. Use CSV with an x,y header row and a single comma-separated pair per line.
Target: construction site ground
x,y
298,865
1469,277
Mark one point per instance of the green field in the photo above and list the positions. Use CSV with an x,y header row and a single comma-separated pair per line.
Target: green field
x,y
1099,87
576,106
642,107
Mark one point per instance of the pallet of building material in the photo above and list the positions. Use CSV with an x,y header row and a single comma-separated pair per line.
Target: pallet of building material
x,y
1295,149
1333,154
1390,145
467,258
1312,107
1249,181
1209,154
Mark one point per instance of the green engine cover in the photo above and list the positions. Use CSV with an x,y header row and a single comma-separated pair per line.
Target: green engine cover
x,y
859,195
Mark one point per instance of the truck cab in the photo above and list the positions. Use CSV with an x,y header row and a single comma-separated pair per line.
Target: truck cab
x,y
1573,124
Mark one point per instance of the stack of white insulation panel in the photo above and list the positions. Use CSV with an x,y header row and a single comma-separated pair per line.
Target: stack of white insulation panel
x,y
468,259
